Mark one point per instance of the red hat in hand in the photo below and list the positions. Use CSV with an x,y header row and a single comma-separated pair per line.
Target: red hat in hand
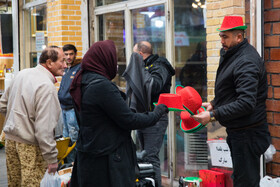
x,y
188,124
172,101
191,99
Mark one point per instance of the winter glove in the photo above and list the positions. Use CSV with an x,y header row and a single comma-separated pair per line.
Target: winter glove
x,y
161,109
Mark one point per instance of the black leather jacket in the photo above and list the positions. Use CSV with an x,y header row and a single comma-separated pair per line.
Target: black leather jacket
x,y
240,88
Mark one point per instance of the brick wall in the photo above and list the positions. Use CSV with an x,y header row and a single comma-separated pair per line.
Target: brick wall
x,y
272,61
216,10
64,23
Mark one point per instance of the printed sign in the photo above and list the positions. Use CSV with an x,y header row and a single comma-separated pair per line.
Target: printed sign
x,y
181,39
40,41
220,153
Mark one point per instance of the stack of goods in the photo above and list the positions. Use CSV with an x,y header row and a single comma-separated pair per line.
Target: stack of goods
x,y
65,176
189,102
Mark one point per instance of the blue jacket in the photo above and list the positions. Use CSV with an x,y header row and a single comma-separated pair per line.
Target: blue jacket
x,y
64,96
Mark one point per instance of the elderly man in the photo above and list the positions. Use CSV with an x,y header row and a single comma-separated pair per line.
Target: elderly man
x,y
239,103
32,110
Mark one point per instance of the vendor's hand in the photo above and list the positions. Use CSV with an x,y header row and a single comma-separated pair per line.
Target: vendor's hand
x,y
52,168
208,106
203,117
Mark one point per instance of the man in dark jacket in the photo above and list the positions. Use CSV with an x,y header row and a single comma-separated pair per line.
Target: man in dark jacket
x,y
239,103
70,127
161,72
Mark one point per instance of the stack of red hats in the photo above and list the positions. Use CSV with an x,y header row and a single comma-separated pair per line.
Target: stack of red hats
x,y
187,100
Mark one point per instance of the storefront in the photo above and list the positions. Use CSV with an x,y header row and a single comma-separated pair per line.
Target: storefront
x,y
177,31
183,31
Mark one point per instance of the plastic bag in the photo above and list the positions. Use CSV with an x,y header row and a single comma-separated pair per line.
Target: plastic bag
x,y
50,180
269,182
268,155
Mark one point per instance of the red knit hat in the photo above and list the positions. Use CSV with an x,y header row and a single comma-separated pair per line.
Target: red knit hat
x,y
172,101
232,22
191,99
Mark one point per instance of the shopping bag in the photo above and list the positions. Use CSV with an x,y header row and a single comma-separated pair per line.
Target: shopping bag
x,y
269,182
50,180
268,155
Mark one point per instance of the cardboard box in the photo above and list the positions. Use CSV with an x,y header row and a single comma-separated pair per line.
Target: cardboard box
x,y
64,171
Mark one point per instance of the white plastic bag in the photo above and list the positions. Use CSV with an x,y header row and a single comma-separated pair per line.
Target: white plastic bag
x,y
268,155
270,182
50,180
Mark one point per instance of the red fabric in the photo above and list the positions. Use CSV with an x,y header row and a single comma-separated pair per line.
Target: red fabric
x,y
190,98
171,101
188,122
101,58
230,22
212,178
201,109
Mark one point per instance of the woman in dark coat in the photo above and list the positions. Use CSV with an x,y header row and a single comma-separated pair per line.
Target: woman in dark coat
x,y
105,150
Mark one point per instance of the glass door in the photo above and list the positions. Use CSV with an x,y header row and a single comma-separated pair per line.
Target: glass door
x,y
127,23
148,24
112,27
34,33
190,64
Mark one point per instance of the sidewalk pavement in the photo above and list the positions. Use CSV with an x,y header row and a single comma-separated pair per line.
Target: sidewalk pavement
x,y
3,169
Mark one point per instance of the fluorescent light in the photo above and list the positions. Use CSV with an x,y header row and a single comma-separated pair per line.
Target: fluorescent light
x,y
150,14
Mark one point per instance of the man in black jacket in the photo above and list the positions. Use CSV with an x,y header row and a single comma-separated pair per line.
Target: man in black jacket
x,y
161,72
239,103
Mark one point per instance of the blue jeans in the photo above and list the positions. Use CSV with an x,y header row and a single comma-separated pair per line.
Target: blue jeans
x,y
70,129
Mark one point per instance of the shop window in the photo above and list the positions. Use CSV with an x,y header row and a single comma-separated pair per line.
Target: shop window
x,y
6,42
107,2
149,25
191,70
35,35
111,27
38,20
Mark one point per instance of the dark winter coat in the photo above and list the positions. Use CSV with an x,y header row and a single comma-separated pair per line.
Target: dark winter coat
x,y
105,134
161,72
240,88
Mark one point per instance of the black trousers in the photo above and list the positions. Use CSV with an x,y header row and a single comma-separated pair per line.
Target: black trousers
x,y
246,147
151,140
